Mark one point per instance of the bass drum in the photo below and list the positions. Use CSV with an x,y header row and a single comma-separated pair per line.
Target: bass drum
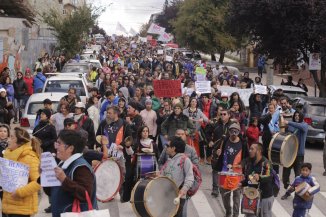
x,y
154,197
108,180
283,149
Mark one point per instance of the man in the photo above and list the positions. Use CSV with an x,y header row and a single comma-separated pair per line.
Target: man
x,y
179,169
134,119
300,128
261,65
86,123
285,107
71,99
70,124
189,151
288,82
116,130
215,139
233,151
257,172
247,80
47,104
149,117
39,81
110,100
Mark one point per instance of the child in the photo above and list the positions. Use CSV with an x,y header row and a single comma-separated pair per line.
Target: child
x,y
253,131
300,205
4,136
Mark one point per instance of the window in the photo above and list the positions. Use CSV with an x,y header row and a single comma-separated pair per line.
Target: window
x,y
35,106
318,110
63,86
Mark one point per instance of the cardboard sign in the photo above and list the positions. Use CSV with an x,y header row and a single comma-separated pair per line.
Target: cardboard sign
x,y
48,178
203,86
167,88
314,61
261,89
160,52
13,175
169,58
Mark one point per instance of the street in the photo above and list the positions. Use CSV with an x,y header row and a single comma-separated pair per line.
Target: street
x,y
203,205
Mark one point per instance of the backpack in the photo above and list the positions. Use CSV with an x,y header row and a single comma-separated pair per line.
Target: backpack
x,y
276,182
197,178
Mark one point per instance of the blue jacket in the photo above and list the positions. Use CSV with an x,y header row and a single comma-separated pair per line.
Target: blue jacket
x,y
300,130
298,202
10,91
39,81
273,124
105,104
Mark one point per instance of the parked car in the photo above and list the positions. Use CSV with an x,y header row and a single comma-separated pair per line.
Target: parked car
x,y
62,83
35,103
314,110
95,63
290,91
76,68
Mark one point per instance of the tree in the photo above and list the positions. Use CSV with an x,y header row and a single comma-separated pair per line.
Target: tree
x,y
98,30
200,25
169,15
69,30
143,29
286,31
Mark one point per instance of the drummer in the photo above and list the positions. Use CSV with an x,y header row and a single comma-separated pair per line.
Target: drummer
x,y
182,175
233,151
257,172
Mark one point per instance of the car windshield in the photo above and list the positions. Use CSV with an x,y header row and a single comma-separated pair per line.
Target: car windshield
x,y
318,110
75,68
96,64
294,94
63,86
33,107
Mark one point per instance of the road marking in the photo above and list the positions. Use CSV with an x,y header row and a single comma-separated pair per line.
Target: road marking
x,y
314,211
278,210
201,204
323,194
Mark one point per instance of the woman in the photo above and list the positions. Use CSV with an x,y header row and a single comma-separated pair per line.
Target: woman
x,y
105,85
237,113
144,143
23,202
236,97
4,136
75,174
58,118
9,88
21,91
122,107
93,111
28,78
6,108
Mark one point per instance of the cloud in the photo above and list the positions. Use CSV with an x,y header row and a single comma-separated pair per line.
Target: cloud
x,y
128,12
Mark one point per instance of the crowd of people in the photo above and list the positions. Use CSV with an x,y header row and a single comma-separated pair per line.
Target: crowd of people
x,y
212,129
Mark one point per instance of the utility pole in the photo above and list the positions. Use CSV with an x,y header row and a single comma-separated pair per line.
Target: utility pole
x,y
269,67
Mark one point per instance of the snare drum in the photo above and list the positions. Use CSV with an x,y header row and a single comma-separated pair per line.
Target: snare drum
x,y
283,149
108,180
146,163
250,201
302,191
154,197
229,180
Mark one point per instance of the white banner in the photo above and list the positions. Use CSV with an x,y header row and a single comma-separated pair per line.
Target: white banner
x,y
169,58
165,37
261,89
132,32
203,86
155,29
48,178
121,28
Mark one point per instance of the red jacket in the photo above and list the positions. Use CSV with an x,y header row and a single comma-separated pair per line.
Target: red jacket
x,y
252,134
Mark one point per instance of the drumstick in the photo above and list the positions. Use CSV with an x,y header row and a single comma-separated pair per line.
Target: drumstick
x,y
176,200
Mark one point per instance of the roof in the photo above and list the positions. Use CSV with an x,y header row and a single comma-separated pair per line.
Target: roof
x,y
286,88
17,9
314,100
39,97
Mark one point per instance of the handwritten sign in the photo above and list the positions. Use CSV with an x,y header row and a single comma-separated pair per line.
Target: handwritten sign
x,y
169,58
200,70
203,86
261,89
48,178
167,88
13,175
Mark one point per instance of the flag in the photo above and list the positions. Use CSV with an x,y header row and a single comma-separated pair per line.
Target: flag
x,y
165,37
121,28
132,32
155,29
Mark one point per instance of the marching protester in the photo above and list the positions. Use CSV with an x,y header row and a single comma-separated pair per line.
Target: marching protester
x,y
20,93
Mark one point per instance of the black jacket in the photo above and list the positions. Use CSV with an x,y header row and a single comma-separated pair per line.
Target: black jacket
x,y
47,134
20,88
87,124
267,135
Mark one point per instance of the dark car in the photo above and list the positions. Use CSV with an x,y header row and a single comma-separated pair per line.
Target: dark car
x,y
76,68
314,110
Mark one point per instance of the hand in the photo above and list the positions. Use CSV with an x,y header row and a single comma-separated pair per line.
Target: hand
x,y
201,120
182,193
14,195
210,144
99,149
256,176
218,152
60,174
119,147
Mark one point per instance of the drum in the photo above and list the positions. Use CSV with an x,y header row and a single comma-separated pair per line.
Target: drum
x,y
229,180
154,197
250,201
146,163
108,180
283,149
302,191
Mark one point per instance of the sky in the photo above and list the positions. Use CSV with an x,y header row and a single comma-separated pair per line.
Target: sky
x,y
130,13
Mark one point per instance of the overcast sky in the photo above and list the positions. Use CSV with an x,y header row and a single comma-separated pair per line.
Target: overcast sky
x,y
130,13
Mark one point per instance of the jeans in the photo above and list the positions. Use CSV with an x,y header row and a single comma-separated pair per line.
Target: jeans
x,y
19,104
299,213
296,166
226,198
215,184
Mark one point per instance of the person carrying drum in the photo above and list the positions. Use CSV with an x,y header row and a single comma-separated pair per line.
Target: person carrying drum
x,y
258,181
231,154
179,169
305,187
300,128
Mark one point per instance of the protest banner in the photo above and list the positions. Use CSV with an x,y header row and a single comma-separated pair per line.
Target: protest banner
x,y
167,88
203,86
13,175
48,178
168,58
200,74
160,52
261,89
314,61
155,29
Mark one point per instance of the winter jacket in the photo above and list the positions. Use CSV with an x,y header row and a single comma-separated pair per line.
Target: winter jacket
x,y
198,114
300,130
267,135
10,91
173,122
29,83
105,104
47,134
125,92
27,201
87,124
20,88
39,81
209,109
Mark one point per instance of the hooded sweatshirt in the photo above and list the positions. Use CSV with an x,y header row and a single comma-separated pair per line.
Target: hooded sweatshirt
x,y
125,93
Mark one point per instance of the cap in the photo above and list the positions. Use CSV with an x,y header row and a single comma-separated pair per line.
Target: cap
x,y
148,101
80,105
178,105
224,94
47,101
234,126
3,90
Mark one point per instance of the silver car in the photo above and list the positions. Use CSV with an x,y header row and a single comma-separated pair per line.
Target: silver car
x,y
314,110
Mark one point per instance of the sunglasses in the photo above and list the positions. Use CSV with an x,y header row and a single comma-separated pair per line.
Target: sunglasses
x,y
234,132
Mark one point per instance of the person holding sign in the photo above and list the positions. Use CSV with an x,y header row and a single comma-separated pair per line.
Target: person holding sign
x,y
24,200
